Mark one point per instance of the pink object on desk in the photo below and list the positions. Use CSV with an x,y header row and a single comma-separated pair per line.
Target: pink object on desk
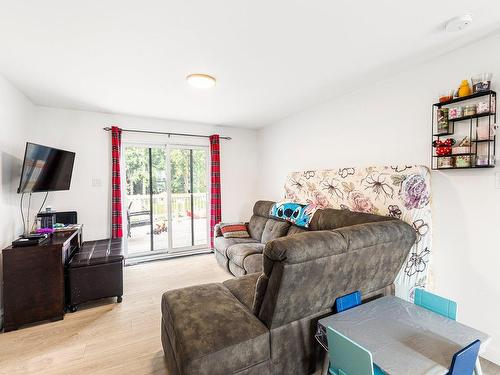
x,y
45,230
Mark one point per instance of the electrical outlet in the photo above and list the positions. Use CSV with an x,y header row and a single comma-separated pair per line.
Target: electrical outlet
x,y
96,182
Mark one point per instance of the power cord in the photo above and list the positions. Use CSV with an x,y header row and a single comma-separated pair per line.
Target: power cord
x,y
44,199
41,206
26,220
28,214
22,214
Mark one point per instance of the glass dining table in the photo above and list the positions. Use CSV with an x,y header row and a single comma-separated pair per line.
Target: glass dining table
x,y
404,339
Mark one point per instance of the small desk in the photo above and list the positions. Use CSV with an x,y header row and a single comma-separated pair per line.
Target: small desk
x,y
403,338
33,279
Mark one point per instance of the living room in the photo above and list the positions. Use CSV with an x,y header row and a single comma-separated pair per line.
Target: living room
x,y
313,104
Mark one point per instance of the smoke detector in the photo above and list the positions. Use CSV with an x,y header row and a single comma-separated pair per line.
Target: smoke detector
x,y
458,23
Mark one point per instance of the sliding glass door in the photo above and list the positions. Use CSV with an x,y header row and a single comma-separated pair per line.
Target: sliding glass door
x,y
166,199
189,197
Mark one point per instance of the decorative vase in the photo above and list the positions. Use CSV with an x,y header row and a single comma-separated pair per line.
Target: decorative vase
x,y
464,89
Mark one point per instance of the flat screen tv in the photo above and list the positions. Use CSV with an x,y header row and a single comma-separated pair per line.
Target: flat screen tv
x,y
45,169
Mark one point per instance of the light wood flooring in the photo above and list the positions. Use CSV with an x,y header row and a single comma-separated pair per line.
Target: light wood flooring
x,y
106,337
110,338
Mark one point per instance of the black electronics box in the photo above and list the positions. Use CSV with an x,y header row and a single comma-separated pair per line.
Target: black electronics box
x,y
30,240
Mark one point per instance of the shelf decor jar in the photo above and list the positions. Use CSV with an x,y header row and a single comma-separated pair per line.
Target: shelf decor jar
x,y
446,96
464,89
463,161
481,82
483,160
443,125
470,110
484,106
446,162
463,147
454,113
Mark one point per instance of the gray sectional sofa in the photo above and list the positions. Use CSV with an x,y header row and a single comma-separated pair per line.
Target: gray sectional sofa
x,y
242,256
264,322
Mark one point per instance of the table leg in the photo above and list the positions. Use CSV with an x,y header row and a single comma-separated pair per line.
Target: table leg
x,y
477,369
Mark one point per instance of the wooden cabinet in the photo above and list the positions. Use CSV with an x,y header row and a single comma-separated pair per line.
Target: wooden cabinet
x,y
33,279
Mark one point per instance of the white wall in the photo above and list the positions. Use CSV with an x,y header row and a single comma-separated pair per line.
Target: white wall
x,y
15,117
390,123
82,132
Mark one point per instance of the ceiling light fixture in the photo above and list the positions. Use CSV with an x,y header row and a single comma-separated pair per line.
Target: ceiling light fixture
x,y
201,81
458,23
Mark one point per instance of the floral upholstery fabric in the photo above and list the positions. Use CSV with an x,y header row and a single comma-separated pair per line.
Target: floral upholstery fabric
x,y
401,192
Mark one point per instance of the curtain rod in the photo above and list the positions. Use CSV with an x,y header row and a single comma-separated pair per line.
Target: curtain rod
x,y
166,133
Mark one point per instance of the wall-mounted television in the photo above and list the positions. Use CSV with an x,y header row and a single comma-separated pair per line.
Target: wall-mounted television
x,y
45,169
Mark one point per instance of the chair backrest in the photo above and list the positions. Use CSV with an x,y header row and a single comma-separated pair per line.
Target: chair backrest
x,y
346,356
348,301
435,303
464,361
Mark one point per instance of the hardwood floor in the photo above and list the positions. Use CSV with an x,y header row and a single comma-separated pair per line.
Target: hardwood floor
x,y
104,337
111,338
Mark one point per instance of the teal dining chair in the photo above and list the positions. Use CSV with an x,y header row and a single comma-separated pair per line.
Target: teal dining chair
x,y
464,361
348,301
435,303
347,357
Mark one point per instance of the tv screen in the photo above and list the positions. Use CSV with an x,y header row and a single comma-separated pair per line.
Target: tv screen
x,y
45,169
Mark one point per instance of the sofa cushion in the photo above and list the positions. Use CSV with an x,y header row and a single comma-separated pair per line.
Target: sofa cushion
x,y
262,208
256,226
258,220
238,253
222,244
208,331
243,288
295,230
274,229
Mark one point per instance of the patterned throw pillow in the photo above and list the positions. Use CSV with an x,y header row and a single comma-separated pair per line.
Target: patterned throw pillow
x,y
296,213
234,230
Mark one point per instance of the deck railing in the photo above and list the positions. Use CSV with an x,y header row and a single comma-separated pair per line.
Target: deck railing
x,y
139,206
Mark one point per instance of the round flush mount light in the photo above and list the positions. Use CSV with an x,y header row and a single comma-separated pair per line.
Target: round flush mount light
x,y
458,23
201,81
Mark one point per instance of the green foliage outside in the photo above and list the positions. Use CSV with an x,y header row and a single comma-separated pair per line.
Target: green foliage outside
x,y
137,170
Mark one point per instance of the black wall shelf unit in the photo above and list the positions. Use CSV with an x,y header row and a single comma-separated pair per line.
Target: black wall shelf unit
x,y
481,152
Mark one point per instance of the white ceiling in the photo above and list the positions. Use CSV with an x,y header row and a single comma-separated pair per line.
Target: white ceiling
x,y
271,58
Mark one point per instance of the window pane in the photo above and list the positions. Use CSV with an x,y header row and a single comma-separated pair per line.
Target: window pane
x,y
160,204
200,196
137,201
181,197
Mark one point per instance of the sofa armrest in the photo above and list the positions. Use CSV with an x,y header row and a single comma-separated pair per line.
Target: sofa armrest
x,y
217,231
303,247
243,288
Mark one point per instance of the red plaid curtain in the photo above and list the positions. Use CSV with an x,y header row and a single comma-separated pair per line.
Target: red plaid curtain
x,y
215,190
116,193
